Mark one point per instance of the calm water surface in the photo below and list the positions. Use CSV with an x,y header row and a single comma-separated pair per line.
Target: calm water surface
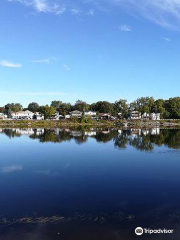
x,y
89,184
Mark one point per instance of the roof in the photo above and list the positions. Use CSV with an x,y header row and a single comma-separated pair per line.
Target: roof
x,y
75,112
104,114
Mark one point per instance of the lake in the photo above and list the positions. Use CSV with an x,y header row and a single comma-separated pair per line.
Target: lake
x,y
89,184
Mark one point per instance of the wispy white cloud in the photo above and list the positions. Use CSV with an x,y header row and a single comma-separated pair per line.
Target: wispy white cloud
x,y
166,39
165,13
125,28
13,168
90,12
5,63
75,11
43,6
45,60
66,67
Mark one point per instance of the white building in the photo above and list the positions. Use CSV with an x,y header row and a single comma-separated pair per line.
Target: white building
x,y
22,115
55,116
3,116
76,114
90,114
38,116
145,116
67,116
135,115
155,116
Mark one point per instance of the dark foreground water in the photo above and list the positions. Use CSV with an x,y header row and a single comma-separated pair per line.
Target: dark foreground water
x,y
89,184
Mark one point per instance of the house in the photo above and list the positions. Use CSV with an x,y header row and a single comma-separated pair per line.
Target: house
x,y
76,114
67,116
38,116
135,115
120,116
105,116
155,116
90,114
55,116
3,116
145,116
22,115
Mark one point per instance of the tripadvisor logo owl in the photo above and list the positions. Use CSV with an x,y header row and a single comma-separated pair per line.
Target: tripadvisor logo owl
x,y
138,231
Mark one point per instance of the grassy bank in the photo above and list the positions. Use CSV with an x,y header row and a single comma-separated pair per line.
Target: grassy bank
x,y
76,123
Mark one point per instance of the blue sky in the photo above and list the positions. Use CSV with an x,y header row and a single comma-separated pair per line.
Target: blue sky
x,y
89,50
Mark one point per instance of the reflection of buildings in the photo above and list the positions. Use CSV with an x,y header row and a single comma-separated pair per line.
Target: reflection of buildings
x,y
76,133
155,131
90,134
141,139
24,131
137,132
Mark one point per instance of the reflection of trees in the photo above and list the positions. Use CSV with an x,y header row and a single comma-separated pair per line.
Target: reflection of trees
x,y
170,138
105,136
121,140
137,139
52,136
11,133
142,143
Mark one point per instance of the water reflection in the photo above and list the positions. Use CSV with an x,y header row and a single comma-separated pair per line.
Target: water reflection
x,y
141,139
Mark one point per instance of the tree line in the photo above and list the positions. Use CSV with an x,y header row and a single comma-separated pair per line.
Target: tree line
x,y
169,109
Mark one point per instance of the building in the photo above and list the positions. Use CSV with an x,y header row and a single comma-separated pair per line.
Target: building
x,y
135,115
90,114
76,114
67,116
105,116
155,116
38,116
120,116
3,116
145,116
55,116
26,115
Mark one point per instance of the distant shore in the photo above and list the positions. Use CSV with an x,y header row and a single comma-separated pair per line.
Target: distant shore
x,y
102,123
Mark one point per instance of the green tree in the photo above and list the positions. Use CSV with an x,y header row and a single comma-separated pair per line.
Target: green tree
x,y
83,118
14,107
143,104
64,108
56,104
33,107
173,107
159,107
47,111
103,107
121,106
81,106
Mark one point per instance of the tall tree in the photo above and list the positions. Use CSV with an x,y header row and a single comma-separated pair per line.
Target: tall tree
x,y
173,107
81,106
14,107
121,106
143,104
56,104
33,107
47,111
103,107
159,107
64,108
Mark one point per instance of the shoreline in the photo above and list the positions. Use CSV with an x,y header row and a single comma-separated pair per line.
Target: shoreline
x,y
64,123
